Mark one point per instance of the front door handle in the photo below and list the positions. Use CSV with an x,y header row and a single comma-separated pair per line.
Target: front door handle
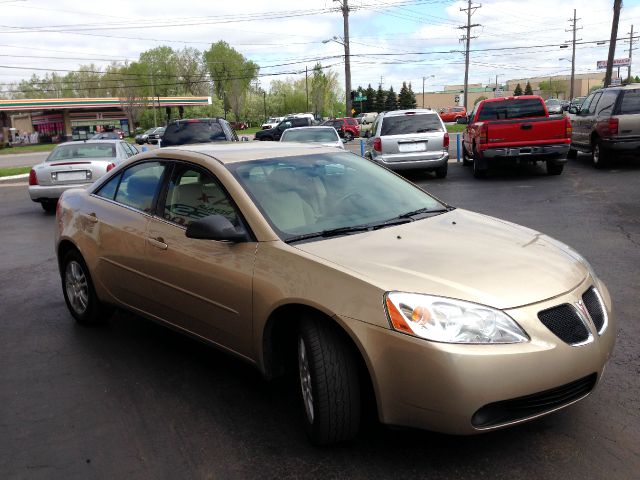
x,y
158,243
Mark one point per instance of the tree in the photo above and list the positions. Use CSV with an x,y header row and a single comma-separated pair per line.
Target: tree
x,y
405,99
380,100
479,99
232,74
517,91
369,103
527,89
323,88
391,100
414,104
554,88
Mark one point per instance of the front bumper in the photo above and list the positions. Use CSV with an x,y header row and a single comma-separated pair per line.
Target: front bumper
x,y
412,161
527,153
439,386
39,193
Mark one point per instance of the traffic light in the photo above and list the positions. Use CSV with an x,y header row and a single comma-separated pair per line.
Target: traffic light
x,y
354,94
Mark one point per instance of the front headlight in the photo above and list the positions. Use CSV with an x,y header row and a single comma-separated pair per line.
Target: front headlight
x,y
451,321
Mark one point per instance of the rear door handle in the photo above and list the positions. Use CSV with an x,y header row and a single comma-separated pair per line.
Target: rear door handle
x,y
158,243
526,126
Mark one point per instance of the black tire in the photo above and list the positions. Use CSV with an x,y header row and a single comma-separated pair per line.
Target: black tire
x,y
79,293
599,155
554,168
49,206
477,171
572,153
329,384
348,136
441,172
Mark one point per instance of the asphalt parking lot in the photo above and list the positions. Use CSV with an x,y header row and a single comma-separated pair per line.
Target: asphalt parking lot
x,y
132,399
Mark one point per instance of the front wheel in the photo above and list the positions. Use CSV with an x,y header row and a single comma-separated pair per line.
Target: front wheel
x,y
348,136
79,294
329,383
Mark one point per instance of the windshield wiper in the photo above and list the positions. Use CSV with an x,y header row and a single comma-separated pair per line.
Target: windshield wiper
x,y
333,232
423,130
422,210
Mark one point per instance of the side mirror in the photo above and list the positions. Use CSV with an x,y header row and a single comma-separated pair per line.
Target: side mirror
x,y
462,120
215,227
244,139
573,110
344,140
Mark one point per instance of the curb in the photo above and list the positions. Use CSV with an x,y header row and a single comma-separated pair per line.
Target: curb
x,y
14,177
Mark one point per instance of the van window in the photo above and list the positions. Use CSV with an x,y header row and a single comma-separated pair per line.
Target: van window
x,y
422,123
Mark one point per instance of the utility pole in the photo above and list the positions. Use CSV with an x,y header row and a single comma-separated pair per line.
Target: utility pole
x,y
630,51
573,28
306,85
264,101
467,38
423,79
617,4
344,6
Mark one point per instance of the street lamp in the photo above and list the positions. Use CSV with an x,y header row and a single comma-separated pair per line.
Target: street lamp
x,y
423,79
347,69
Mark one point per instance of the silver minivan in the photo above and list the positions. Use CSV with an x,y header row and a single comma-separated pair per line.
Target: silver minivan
x,y
409,139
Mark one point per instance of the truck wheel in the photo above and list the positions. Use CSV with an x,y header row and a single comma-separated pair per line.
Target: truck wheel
x,y
329,384
466,158
477,171
599,156
554,168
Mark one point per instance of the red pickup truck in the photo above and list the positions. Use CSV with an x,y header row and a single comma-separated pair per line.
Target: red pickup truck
x,y
511,130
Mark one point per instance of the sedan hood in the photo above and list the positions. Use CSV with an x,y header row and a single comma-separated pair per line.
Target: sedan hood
x,y
461,255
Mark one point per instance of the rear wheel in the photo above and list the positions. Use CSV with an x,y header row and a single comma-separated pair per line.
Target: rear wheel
x,y
478,172
441,172
329,385
49,206
572,153
79,294
599,156
554,168
466,158
348,136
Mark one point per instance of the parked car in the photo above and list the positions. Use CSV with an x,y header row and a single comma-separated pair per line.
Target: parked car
x,y
238,125
452,114
271,122
143,138
309,259
576,102
608,125
73,165
198,130
367,120
409,139
326,136
554,106
106,136
512,130
156,135
347,127
274,134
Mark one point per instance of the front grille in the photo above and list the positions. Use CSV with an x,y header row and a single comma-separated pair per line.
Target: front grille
x,y
520,408
565,323
595,308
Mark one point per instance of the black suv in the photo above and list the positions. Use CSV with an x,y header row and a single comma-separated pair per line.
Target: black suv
x,y
276,132
198,130
607,124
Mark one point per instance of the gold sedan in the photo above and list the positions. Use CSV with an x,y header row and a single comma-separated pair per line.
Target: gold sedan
x,y
314,258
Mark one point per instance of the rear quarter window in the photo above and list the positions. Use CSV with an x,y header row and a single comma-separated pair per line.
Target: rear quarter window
x,y
630,102
404,124
508,109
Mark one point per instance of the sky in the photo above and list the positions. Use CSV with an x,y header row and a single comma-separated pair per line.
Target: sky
x,y
391,40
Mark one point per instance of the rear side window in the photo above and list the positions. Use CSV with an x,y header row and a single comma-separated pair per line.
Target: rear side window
x,y
184,133
139,185
399,125
503,110
630,102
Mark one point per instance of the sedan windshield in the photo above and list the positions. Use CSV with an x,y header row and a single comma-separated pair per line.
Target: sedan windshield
x,y
329,194
83,150
310,135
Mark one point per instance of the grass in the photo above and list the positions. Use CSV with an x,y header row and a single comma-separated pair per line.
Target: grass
x,y
38,147
456,128
7,172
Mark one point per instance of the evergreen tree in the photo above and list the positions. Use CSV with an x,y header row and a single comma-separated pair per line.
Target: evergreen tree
x,y
380,100
391,102
528,90
518,91
369,103
414,104
404,98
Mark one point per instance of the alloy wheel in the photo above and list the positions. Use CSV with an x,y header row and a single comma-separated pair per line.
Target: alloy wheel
x,y
305,380
77,287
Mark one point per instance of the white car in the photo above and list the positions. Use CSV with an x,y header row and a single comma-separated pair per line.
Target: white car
x,y
73,165
326,136
271,122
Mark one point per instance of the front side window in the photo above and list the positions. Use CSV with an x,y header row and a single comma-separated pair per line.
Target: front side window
x,y
108,190
594,103
584,108
307,194
195,194
139,185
